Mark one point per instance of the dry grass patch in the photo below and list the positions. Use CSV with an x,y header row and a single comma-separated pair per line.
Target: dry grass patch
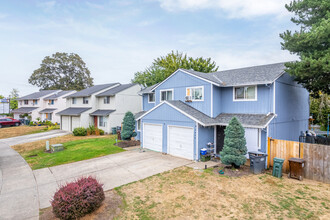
x,y
20,130
185,193
21,148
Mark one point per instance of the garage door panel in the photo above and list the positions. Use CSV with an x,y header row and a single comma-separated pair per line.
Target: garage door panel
x,y
153,137
181,141
75,122
65,123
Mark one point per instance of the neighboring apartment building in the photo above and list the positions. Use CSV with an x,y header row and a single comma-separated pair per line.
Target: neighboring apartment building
x,y
103,106
190,109
43,104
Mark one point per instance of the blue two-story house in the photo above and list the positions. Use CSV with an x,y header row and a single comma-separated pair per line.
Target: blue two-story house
x,y
190,109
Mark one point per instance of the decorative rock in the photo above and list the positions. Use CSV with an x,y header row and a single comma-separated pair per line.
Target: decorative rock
x,y
57,147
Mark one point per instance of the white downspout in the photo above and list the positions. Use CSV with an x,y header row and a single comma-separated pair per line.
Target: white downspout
x,y
196,155
274,96
211,100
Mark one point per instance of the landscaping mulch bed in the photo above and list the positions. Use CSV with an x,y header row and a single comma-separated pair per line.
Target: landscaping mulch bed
x,y
231,171
109,209
131,143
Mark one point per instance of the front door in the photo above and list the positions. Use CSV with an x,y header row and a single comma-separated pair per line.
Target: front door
x,y
220,138
95,121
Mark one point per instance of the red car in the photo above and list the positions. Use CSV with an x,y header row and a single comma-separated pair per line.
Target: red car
x,y
4,122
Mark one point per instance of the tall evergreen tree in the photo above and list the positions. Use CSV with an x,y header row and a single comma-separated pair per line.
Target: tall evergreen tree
x,y
164,66
310,43
234,149
128,126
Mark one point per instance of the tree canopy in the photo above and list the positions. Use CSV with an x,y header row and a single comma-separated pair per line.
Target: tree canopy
x,y
310,43
13,99
62,71
164,66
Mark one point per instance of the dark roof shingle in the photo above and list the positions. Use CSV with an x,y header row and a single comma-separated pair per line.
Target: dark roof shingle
x,y
24,110
91,90
37,95
73,111
57,95
114,91
48,110
100,112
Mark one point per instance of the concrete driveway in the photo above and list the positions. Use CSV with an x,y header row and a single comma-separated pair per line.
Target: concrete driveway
x,y
24,191
112,170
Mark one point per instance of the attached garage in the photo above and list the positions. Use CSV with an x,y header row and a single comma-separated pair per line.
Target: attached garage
x,y
153,137
75,122
180,141
65,123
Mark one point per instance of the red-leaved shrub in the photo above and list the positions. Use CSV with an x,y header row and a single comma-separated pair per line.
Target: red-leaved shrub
x,y
77,198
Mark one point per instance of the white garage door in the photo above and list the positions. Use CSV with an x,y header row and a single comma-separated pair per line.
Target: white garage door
x,y
252,139
181,142
153,137
65,123
75,122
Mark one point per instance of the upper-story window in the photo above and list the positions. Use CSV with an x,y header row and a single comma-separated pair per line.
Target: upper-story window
x,y
151,97
195,93
26,102
245,93
106,100
85,100
35,102
166,95
51,102
74,101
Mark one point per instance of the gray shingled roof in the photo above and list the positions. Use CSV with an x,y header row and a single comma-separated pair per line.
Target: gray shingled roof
x,y
24,110
73,111
91,90
114,91
148,89
37,95
254,120
57,95
102,112
247,120
263,74
48,110
137,115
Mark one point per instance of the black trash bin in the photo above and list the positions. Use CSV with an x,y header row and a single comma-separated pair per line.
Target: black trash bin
x,y
257,161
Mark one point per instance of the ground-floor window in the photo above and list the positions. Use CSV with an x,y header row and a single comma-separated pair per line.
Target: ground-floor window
x,y
102,121
50,116
139,125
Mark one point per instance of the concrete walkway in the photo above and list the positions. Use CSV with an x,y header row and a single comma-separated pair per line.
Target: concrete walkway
x,y
23,191
18,188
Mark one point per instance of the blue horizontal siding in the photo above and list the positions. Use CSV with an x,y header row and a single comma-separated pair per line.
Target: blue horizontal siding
x,y
146,105
205,135
263,105
179,82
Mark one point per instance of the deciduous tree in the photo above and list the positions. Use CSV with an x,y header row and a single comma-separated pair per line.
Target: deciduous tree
x,y
62,71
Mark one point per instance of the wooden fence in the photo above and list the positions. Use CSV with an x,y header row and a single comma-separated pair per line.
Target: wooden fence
x,y
316,156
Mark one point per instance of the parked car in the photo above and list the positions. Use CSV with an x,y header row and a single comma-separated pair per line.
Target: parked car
x,y
9,122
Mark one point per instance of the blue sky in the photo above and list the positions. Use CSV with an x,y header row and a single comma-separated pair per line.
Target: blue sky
x,y
117,38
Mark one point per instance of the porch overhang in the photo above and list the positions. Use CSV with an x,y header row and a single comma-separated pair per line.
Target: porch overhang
x,y
100,112
24,110
47,110
73,111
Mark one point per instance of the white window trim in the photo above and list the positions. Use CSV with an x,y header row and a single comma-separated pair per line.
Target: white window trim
x,y
137,126
196,87
163,90
149,98
246,100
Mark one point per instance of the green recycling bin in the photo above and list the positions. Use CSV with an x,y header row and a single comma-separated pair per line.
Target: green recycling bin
x,y
114,130
277,167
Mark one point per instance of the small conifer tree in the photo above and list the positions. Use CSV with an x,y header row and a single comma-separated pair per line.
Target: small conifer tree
x,y
234,149
128,126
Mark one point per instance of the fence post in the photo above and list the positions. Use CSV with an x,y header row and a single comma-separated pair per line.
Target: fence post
x,y
269,153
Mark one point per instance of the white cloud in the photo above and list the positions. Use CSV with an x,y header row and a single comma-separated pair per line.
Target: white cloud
x,y
233,8
46,5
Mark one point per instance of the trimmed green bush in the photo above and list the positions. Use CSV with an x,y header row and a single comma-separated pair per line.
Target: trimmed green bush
x,y
101,132
80,131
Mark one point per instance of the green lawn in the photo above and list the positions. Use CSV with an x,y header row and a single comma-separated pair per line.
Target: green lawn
x,y
74,151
